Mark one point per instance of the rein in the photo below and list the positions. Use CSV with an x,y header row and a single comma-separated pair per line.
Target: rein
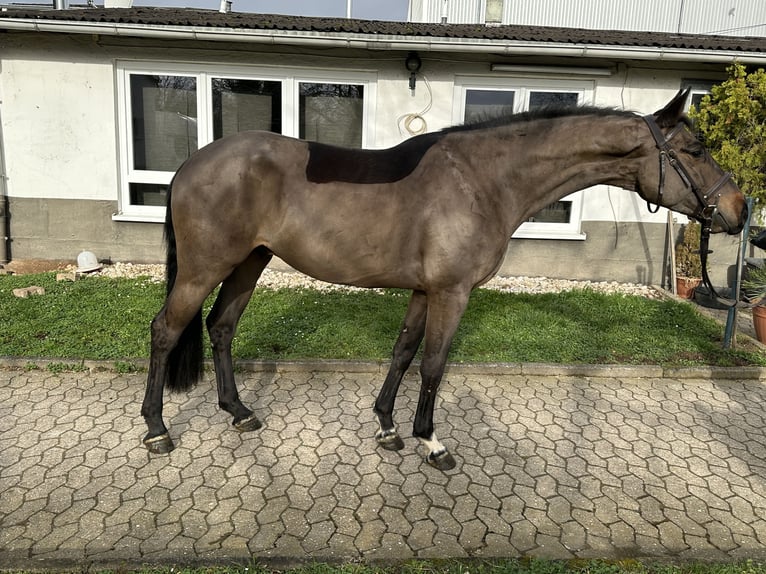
x,y
708,200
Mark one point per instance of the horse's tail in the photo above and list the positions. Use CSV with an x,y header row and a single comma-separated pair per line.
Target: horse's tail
x,y
185,362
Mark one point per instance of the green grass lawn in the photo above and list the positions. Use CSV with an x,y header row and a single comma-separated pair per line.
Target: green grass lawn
x,y
98,318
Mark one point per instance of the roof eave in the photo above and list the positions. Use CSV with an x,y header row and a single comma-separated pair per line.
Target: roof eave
x,y
383,42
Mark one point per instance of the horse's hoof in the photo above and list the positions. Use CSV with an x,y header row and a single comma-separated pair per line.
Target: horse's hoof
x,y
389,440
160,444
247,424
441,460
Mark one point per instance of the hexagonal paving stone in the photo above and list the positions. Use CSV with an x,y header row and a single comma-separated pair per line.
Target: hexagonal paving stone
x,y
555,466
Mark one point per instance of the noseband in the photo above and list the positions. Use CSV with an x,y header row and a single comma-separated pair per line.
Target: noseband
x,y
708,200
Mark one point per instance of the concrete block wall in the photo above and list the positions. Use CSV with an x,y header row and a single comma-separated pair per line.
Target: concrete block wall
x,y
626,252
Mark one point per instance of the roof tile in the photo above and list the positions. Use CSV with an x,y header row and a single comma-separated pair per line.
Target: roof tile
x,y
187,17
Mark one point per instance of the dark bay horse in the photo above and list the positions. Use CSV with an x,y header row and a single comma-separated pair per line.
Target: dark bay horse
x,y
433,214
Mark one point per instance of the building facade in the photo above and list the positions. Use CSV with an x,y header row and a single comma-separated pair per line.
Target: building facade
x,y
99,107
709,17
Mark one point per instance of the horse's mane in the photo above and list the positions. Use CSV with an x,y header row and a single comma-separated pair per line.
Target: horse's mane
x,y
330,163
542,113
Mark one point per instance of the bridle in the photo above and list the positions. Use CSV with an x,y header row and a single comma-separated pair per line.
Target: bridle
x,y
707,208
708,199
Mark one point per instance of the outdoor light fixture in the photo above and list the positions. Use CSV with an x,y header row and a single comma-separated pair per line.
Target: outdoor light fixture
x,y
413,63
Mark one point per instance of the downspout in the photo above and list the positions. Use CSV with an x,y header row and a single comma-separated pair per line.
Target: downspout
x,y
5,223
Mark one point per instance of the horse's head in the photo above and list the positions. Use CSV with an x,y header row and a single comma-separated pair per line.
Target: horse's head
x,y
677,172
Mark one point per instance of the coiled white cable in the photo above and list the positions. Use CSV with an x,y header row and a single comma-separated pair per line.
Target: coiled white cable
x,y
414,123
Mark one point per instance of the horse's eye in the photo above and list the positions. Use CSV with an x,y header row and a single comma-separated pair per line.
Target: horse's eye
x,y
695,151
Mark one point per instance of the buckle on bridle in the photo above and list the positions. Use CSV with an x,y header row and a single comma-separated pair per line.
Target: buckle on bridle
x,y
707,214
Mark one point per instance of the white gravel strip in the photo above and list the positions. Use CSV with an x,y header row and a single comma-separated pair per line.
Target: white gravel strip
x,y
272,279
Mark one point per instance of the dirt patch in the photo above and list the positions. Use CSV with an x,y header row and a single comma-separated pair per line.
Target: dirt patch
x,y
27,266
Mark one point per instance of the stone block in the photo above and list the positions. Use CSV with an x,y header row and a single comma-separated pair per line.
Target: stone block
x,y
24,292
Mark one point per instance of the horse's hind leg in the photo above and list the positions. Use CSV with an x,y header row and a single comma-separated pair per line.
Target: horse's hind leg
x,y
410,336
179,315
232,299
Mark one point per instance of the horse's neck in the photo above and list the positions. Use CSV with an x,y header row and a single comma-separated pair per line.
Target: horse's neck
x,y
560,156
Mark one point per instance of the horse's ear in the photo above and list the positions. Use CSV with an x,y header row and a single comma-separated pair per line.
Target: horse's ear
x,y
670,115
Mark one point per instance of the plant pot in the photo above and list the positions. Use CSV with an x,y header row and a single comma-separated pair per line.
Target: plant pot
x,y
759,322
685,286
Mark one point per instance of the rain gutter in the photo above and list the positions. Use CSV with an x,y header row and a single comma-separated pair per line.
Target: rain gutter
x,y
385,42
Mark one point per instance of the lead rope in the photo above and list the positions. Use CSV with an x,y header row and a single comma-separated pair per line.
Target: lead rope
x,y
705,232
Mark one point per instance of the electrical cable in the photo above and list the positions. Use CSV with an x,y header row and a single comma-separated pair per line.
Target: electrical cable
x,y
615,218
409,122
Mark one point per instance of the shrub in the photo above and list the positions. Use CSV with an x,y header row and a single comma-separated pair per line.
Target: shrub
x,y
731,122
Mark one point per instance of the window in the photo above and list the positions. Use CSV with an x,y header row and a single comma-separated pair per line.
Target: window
x,y
538,100
240,105
168,113
331,113
697,98
486,104
480,99
164,120
493,11
699,89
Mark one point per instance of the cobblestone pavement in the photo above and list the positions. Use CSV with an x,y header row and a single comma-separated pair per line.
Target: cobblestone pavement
x,y
553,462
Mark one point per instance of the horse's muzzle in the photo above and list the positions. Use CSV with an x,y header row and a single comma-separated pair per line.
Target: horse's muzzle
x,y
731,224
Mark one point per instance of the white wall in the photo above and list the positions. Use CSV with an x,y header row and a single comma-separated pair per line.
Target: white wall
x,y
58,123
395,102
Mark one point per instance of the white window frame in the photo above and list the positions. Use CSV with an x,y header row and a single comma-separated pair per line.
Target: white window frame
x,y
127,174
522,86
204,74
334,77
698,88
240,74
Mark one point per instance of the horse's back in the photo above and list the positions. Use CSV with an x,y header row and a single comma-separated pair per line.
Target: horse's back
x,y
242,148
364,225
236,171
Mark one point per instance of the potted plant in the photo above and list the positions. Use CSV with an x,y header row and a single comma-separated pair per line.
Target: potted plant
x,y
688,265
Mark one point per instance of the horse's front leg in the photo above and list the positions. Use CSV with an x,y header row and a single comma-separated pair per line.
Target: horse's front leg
x,y
410,336
445,310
